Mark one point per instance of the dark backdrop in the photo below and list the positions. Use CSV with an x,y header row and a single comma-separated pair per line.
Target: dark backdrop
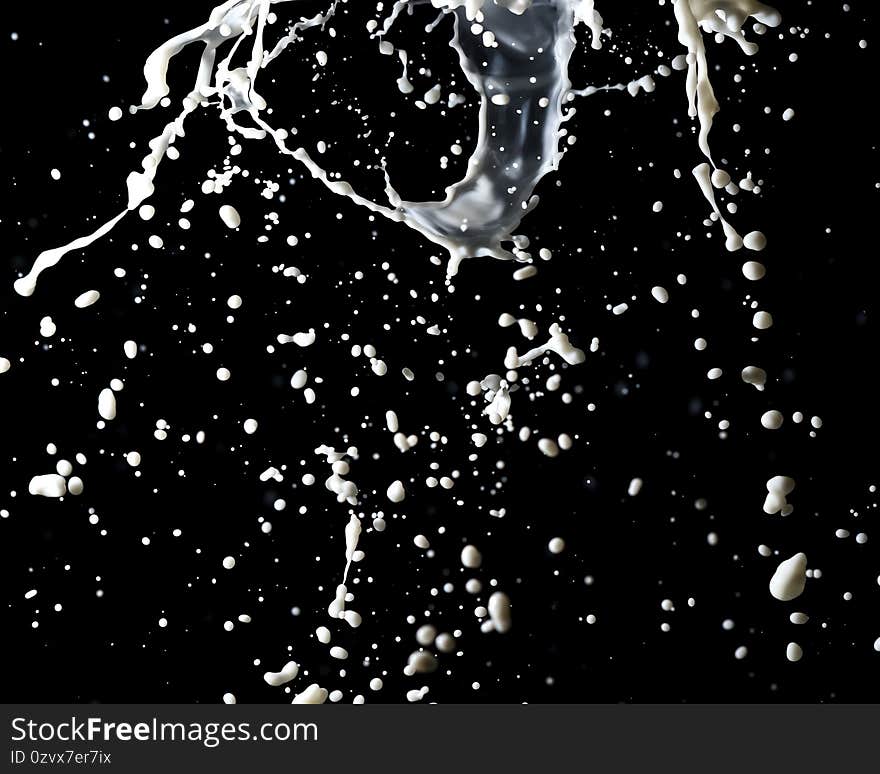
x,y
818,209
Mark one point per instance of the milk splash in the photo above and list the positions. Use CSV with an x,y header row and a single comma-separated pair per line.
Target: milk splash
x,y
519,69
515,54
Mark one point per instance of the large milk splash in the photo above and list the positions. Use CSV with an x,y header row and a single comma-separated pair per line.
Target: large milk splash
x,y
518,67
515,55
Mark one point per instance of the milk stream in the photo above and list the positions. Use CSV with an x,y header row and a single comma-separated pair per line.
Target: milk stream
x,y
515,56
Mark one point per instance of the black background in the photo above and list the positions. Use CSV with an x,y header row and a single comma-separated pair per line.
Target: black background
x,y
649,383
